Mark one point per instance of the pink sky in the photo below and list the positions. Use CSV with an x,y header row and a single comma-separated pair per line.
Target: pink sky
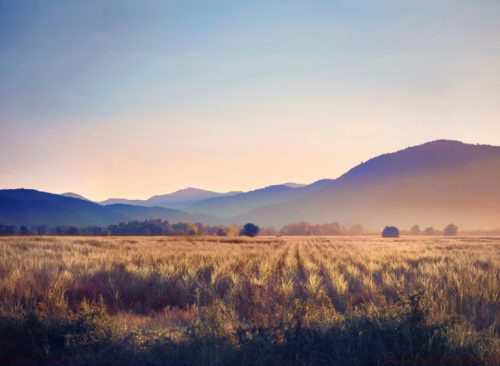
x,y
135,99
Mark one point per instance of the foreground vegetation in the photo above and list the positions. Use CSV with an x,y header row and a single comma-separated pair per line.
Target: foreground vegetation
x,y
249,301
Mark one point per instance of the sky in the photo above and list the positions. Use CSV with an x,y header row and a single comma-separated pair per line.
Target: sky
x,y
132,98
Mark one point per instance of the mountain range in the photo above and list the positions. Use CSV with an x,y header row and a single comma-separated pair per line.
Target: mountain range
x,y
430,184
180,199
31,207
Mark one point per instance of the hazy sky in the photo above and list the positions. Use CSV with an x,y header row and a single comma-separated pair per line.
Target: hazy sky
x,y
130,98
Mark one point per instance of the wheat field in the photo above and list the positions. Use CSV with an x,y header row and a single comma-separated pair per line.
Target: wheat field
x,y
234,300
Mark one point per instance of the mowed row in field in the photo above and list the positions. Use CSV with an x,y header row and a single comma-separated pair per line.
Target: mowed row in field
x,y
222,286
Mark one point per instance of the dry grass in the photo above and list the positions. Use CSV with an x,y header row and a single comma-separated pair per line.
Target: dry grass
x,y
172,286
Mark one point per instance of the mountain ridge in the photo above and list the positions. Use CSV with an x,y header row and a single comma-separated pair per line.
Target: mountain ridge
x,y
179,199
75,195
31,207
430,184
227,207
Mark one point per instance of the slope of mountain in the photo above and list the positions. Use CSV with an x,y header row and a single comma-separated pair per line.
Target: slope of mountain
x,y
294,185
74,195
172,215
431,184
226,207
31,207
180,199
123,201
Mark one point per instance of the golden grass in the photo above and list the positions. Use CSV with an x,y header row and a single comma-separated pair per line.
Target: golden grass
x,y
171,285
254,279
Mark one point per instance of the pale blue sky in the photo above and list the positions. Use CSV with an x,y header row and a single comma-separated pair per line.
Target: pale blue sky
x,y
135,98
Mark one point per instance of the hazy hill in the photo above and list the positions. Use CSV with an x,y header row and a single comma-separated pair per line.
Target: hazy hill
x,y
172,215
431,184
74,195
31,207
229,206
294,185
179,199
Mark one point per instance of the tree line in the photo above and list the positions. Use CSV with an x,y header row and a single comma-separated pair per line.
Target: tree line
x,y
146,228
163,227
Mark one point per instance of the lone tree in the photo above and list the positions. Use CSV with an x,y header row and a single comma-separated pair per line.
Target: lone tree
x,y
450,230
250,230
23,230
415,230
390,232
429,231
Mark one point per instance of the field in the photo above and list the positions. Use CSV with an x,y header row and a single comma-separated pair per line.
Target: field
x,y
244,301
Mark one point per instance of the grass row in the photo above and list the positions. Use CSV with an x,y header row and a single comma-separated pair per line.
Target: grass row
x,y
286,301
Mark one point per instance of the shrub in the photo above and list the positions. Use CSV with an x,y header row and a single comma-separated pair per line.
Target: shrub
x,y
451,230
7,230
429,231
415,230
390,232
250,230
43,338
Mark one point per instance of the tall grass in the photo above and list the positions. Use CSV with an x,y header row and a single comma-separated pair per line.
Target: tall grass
x,y
226,301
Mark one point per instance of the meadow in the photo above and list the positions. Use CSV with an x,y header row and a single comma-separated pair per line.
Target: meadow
x,y
249,301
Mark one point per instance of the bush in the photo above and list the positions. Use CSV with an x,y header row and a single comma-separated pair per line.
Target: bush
x,y
400,335
429,231
390,232
250,230
415,230
7,230
450,230
40,338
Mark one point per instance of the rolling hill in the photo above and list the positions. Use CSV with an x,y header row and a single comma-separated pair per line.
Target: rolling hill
x,y
31,207
74,195
180,199
431,184
230,206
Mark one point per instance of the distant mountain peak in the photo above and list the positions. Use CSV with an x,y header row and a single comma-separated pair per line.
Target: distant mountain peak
x,y
443,142
294,185
446,144
191,189
74,195
437,155
180,199
186,193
